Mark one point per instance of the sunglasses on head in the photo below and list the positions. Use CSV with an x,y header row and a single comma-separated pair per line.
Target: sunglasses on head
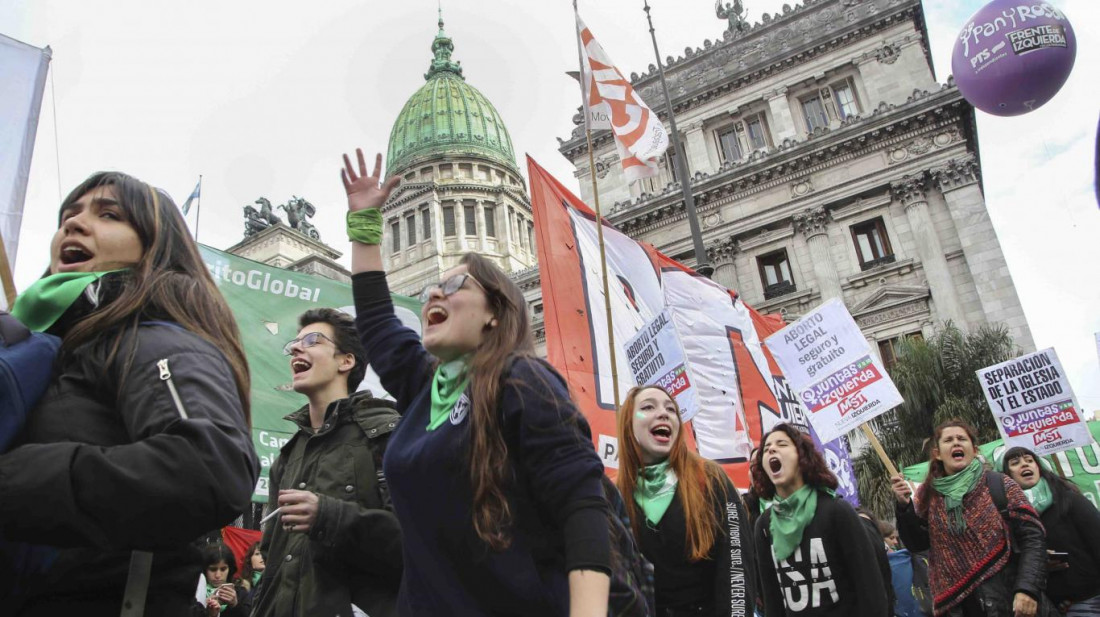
x,y
448,286
306,342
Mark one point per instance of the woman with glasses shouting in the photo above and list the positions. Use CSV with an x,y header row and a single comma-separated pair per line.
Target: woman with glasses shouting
x,y
492,475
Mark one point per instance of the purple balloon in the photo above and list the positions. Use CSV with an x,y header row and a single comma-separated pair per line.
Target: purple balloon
x,y
1013,56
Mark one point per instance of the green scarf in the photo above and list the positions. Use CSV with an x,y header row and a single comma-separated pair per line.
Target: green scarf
x,y
44,302
210,589
655,489
256,578
789,519
448,384
1040,496
954,488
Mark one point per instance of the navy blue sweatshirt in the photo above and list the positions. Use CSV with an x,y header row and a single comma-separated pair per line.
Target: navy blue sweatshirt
x,y
557,503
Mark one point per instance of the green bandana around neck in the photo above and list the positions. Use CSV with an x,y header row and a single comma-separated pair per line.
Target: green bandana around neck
x,y
655,489
1040,496
44,302
256,578
448,384
954,488
210,589
789,519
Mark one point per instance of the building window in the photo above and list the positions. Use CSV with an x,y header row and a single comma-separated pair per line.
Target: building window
x,y
395,233
729,145
530,236
775,273
872,244
844,95
426,221
670,161
410,229
537,308
449,221
490,222
757,130
888,349
815,114
468,213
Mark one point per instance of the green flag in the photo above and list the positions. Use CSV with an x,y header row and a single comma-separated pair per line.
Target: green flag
x,y
267,302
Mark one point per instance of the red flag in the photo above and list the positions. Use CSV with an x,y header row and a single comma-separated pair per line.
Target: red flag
x,y
238,540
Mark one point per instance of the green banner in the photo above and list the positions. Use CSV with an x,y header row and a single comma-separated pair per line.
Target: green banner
x,y
267,302
1080,465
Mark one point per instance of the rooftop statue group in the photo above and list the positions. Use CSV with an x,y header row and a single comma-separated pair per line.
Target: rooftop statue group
x,y
298,210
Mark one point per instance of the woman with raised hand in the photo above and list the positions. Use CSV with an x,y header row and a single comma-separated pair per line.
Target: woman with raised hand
x,y
1073,533
496,487
141,443
686,513
814,555
982,562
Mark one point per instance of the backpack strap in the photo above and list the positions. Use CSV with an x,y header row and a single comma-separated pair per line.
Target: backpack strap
x,y
996,484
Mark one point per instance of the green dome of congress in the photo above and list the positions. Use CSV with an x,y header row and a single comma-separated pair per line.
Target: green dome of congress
x,y
447,116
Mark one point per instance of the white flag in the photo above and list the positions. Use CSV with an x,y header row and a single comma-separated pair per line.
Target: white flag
x,y
613,104
23,73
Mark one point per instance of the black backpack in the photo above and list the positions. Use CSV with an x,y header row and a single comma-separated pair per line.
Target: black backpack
x,y
632,585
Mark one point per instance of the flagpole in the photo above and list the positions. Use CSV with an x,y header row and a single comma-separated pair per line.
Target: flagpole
x,y
599,215
701,264
198,210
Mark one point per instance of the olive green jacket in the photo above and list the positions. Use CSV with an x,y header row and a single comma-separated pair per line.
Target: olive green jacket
x,y
352,553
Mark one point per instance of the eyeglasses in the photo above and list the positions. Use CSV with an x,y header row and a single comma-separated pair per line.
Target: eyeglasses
x,y
448,287
306,342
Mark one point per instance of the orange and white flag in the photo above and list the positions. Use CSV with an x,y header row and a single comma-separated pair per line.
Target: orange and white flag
x,y
612,103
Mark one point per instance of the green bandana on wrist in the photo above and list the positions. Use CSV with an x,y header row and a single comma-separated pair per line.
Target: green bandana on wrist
x,y
954,488
448,384
655,489
789,519
1040,496
44,302
365,226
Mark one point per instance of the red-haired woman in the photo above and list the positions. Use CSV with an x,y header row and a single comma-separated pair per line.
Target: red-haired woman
x,y
976,568
686,513
814,555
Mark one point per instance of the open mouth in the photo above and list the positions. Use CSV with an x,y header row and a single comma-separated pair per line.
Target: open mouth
x,y
74,254
436,315
958,454
662,433
1027,473
774,464
299,365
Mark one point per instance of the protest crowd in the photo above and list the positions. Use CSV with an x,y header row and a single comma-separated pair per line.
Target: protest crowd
x,y
475,491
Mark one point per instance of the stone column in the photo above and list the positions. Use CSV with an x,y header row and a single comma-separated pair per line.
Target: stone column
x,y
958,181
812,225
782,122
910,191
479,214
696,143
722,255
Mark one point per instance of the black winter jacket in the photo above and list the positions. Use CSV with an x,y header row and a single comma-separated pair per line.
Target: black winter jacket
x,y
1073,527
107,466
352,554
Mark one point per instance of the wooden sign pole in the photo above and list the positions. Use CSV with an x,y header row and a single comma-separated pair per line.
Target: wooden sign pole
x,y
877,445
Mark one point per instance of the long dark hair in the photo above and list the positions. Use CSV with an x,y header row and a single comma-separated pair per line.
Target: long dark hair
x,y
170,282
696,494
812,466
246,566
1056,482
213,553
500,344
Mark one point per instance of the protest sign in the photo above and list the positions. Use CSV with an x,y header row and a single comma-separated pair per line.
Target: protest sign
x,y
830,365
1033,403
656,358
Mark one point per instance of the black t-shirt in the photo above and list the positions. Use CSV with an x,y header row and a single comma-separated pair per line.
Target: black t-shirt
x,y
832,573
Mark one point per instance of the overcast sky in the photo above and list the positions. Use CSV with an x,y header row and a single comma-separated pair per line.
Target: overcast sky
x,y
261,98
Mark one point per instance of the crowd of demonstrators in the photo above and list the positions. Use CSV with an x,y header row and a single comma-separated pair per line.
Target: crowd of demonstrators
x,y
224,593
686,513
141,442
814,555
960,516
493,477
1073,533
336,542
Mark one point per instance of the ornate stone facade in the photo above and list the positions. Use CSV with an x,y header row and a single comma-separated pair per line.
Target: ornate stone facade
x,y
826,162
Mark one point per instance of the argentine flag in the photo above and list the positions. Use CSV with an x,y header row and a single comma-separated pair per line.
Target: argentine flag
x,y
194,195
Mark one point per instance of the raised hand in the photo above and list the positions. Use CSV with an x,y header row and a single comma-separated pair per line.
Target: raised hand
x,y
365,191
902,492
